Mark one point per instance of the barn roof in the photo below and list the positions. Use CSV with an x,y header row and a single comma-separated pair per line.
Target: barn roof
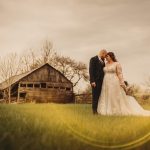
x,y
17,78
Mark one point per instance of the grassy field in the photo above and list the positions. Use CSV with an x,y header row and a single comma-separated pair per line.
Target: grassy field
x,y
69,127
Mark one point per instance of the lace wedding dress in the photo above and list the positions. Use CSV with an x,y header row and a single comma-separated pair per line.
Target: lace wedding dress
x,y
113,99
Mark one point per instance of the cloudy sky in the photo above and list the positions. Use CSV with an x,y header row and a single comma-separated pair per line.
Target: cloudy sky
x,y
79,28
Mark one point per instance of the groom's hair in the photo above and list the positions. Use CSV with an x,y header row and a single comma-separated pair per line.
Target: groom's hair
x,y
102,52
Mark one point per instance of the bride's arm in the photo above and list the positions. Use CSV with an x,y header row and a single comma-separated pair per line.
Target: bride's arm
x,y
120,76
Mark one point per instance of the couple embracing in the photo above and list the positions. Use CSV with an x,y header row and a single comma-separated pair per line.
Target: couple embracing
x,y
109,89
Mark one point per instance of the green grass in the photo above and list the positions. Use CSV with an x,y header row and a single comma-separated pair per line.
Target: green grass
x,y
68,127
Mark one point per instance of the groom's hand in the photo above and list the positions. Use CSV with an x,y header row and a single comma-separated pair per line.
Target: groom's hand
x,y
93,84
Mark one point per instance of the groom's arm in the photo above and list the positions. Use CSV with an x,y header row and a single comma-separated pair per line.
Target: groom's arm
x,y
92,70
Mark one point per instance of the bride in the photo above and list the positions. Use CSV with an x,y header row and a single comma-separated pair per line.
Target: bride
x,y
113,99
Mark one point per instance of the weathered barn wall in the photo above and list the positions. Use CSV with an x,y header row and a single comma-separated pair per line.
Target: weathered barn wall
x,y
45,74
51,93
46,85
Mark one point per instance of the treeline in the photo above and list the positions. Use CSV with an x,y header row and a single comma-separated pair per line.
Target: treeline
x,y
14,64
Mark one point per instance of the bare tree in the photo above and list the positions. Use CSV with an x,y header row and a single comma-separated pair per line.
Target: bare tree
x,y
26,60
74,71
30,60
9,67
47,52
134,89
35,58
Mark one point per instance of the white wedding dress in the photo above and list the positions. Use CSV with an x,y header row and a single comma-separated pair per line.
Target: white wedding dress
x,y
113,99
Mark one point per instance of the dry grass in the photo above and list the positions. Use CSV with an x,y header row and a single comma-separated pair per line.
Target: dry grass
x,y
69,126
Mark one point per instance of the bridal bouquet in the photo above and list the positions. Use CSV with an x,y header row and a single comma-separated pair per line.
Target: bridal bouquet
x,y
129,91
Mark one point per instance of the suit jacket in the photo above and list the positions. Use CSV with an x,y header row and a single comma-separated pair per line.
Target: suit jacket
x,y
96,69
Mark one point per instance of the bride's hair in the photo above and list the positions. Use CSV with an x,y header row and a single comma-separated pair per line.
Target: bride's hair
x,y
112,56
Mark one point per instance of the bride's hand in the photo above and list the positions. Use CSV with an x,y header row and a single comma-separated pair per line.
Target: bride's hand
x,y
124,87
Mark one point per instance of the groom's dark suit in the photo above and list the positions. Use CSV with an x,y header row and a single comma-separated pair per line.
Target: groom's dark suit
x,y
96,75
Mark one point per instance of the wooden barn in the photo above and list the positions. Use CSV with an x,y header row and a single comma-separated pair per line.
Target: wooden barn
x,y
42,85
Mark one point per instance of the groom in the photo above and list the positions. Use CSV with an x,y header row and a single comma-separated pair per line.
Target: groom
x,y
96,77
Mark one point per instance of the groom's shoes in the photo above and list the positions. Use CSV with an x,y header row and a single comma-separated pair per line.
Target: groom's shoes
x,y
95,113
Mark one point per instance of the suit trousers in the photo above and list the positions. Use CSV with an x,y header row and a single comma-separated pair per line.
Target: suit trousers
x,y
96,91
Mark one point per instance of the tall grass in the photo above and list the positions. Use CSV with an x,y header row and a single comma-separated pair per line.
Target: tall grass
x,y
69,126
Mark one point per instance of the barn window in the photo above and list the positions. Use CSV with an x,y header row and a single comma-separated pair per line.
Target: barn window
x,y
22,85
56,87
43,85
62,87
37,85
22,95
49,86
30,85
68,89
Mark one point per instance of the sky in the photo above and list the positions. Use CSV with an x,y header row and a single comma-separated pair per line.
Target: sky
x,y
79,29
